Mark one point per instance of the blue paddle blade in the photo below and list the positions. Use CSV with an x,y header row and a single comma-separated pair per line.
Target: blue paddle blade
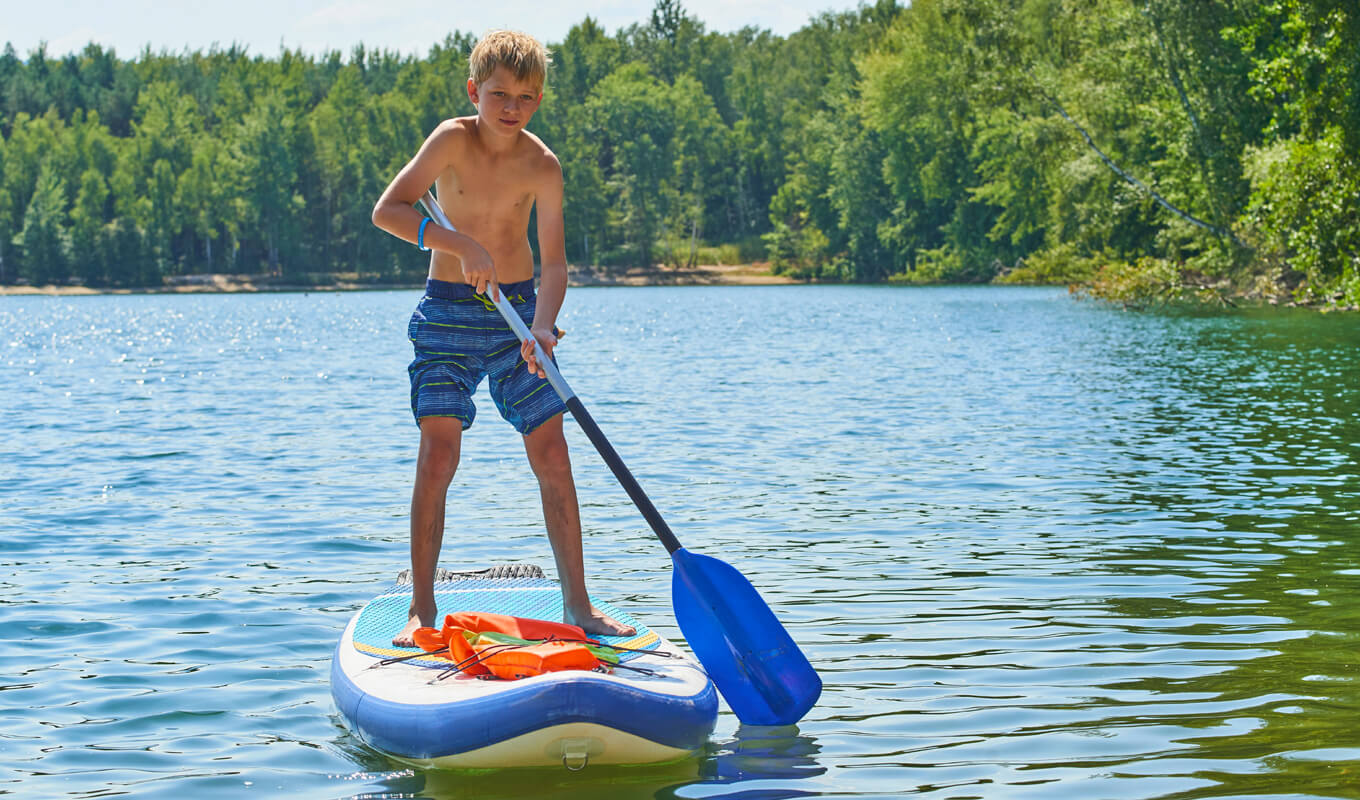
x,y
753,661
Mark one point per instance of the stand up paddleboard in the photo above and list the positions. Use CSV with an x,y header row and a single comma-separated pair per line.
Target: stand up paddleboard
x,y
661,710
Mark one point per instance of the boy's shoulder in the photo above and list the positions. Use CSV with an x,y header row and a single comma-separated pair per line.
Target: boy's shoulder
x,y
461,134
457,129
538,154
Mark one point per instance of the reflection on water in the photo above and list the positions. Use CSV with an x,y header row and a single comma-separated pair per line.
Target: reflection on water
x,y
629,783
758,753
727,770
1035,547
754,756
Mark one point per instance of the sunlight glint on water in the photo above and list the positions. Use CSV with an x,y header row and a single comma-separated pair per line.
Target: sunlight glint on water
x,y
1036,547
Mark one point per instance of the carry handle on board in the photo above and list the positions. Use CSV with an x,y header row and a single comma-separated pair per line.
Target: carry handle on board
x,y
753,661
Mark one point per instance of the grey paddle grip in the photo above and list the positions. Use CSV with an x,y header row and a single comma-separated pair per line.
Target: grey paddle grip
x,y
555,379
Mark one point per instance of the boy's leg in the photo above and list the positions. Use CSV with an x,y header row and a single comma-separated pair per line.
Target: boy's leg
x,y
547,451
440,440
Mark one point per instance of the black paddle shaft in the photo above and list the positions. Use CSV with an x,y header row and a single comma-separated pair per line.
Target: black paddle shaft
x,y
620,470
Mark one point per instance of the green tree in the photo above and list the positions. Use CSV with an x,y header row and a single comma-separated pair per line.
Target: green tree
x,y
667,42
43,242
1181,144
1305,202
344,190
31,143
7,215
635,140
201,194
799,243
265,160
164,221
701,170
1306,213
125,232
581,61
89,253
916,97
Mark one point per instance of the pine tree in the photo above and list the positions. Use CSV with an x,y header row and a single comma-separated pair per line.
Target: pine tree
x,y
43,243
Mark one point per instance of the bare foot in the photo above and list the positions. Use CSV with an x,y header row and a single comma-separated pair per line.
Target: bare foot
x,y
417,620
597,623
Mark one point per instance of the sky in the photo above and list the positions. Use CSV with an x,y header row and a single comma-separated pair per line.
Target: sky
x,y
317,26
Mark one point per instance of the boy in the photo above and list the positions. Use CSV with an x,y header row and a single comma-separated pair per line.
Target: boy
x,y
488,173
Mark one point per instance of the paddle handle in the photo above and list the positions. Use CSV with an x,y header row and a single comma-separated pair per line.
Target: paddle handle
x,y
573,403
559,384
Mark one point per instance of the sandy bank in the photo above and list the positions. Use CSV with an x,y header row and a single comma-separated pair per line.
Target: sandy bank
x,y
757,274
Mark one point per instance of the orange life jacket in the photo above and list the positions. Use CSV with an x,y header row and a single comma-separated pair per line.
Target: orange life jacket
x,y
519,627
515,650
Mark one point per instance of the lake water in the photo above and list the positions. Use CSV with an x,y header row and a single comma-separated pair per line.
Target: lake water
x,y
1037,547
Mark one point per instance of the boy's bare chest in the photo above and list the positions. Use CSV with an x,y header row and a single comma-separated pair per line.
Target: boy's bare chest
x,y
486,194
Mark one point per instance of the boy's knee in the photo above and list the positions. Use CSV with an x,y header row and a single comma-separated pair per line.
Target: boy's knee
x,y
549,458
438,455
437,462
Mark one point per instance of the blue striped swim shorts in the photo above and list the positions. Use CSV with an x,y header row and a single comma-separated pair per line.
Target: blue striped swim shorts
x,y
460,338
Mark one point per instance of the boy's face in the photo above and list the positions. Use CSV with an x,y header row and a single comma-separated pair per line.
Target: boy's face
x,y
504,103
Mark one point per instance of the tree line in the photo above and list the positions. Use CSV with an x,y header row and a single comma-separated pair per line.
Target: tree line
x,y
1142,148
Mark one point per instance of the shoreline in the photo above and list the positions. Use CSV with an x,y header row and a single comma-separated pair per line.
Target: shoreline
x,y
754,274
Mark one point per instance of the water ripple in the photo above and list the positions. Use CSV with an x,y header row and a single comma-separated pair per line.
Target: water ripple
x,y
1035,547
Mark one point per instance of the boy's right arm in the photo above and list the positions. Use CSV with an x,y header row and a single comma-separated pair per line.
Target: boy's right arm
x,y
395,210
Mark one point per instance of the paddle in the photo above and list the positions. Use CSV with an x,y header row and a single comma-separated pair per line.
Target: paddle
x,y
753,661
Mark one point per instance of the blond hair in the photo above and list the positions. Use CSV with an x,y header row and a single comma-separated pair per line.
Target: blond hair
x,y
518,52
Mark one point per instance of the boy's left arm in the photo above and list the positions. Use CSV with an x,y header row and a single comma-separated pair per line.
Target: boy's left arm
x,y
552,252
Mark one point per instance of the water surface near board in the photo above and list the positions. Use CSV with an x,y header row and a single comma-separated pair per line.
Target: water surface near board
x,y
1036,547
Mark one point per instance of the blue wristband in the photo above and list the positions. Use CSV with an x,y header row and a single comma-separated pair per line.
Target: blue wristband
x,y
420,236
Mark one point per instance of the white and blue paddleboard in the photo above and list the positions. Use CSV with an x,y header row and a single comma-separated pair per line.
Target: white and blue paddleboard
x,y
662,711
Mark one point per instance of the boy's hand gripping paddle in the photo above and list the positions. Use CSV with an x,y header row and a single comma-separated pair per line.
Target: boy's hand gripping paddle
x,y
753,661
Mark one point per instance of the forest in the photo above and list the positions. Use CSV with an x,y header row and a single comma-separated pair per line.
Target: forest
x,y
1140,150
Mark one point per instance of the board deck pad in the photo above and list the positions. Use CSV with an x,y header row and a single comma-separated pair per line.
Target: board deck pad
x,y
534,598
